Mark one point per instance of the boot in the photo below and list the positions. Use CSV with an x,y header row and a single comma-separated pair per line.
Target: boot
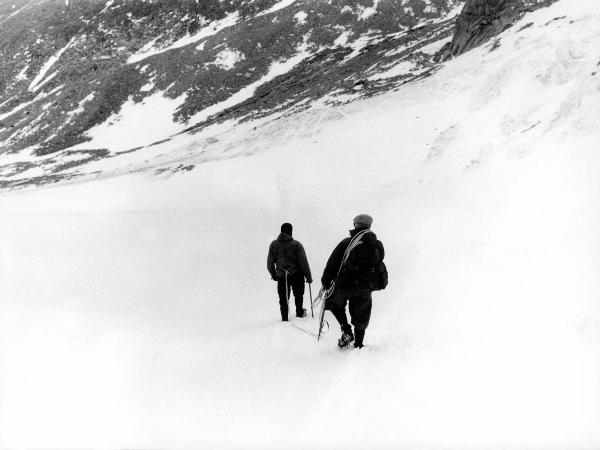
x,y
301,313
360,335
346,338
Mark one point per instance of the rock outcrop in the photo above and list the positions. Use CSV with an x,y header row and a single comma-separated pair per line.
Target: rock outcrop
x,y
481,20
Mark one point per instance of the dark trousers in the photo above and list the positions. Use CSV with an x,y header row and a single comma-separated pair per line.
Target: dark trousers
x,y
295,283
359,305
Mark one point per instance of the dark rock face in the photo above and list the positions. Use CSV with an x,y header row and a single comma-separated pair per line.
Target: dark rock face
x,y
481,20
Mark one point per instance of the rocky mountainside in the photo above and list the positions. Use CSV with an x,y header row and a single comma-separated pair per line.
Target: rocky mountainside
x,y
69,66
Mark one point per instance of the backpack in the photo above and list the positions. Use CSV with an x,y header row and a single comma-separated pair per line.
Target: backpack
x,y
381,280
363,267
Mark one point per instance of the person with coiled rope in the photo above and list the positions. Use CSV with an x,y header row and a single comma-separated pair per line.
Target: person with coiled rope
x,y
355,269
288,265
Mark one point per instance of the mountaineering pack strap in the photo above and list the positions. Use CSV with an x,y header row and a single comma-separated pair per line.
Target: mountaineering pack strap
x,y
355,241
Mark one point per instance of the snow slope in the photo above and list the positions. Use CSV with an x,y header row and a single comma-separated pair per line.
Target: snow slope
x,y
137,312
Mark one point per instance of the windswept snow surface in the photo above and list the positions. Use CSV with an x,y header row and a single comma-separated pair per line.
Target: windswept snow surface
x,y
136,311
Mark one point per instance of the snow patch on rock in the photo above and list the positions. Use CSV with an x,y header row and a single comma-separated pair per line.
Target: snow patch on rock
x,y
228,58
136,124
276,7
301,17
211,29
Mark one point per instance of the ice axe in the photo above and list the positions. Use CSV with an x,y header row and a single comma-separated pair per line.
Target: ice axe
x,y
312,313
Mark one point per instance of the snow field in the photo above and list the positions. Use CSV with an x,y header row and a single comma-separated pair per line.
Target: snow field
x,y
137,312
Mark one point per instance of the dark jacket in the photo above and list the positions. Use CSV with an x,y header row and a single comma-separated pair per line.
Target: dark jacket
x,y
287,254
335,260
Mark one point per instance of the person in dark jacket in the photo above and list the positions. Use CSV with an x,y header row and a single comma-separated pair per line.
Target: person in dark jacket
x,y
353,287
288,265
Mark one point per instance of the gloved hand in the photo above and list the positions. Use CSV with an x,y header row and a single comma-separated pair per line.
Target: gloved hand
x,y
274,278
309,280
